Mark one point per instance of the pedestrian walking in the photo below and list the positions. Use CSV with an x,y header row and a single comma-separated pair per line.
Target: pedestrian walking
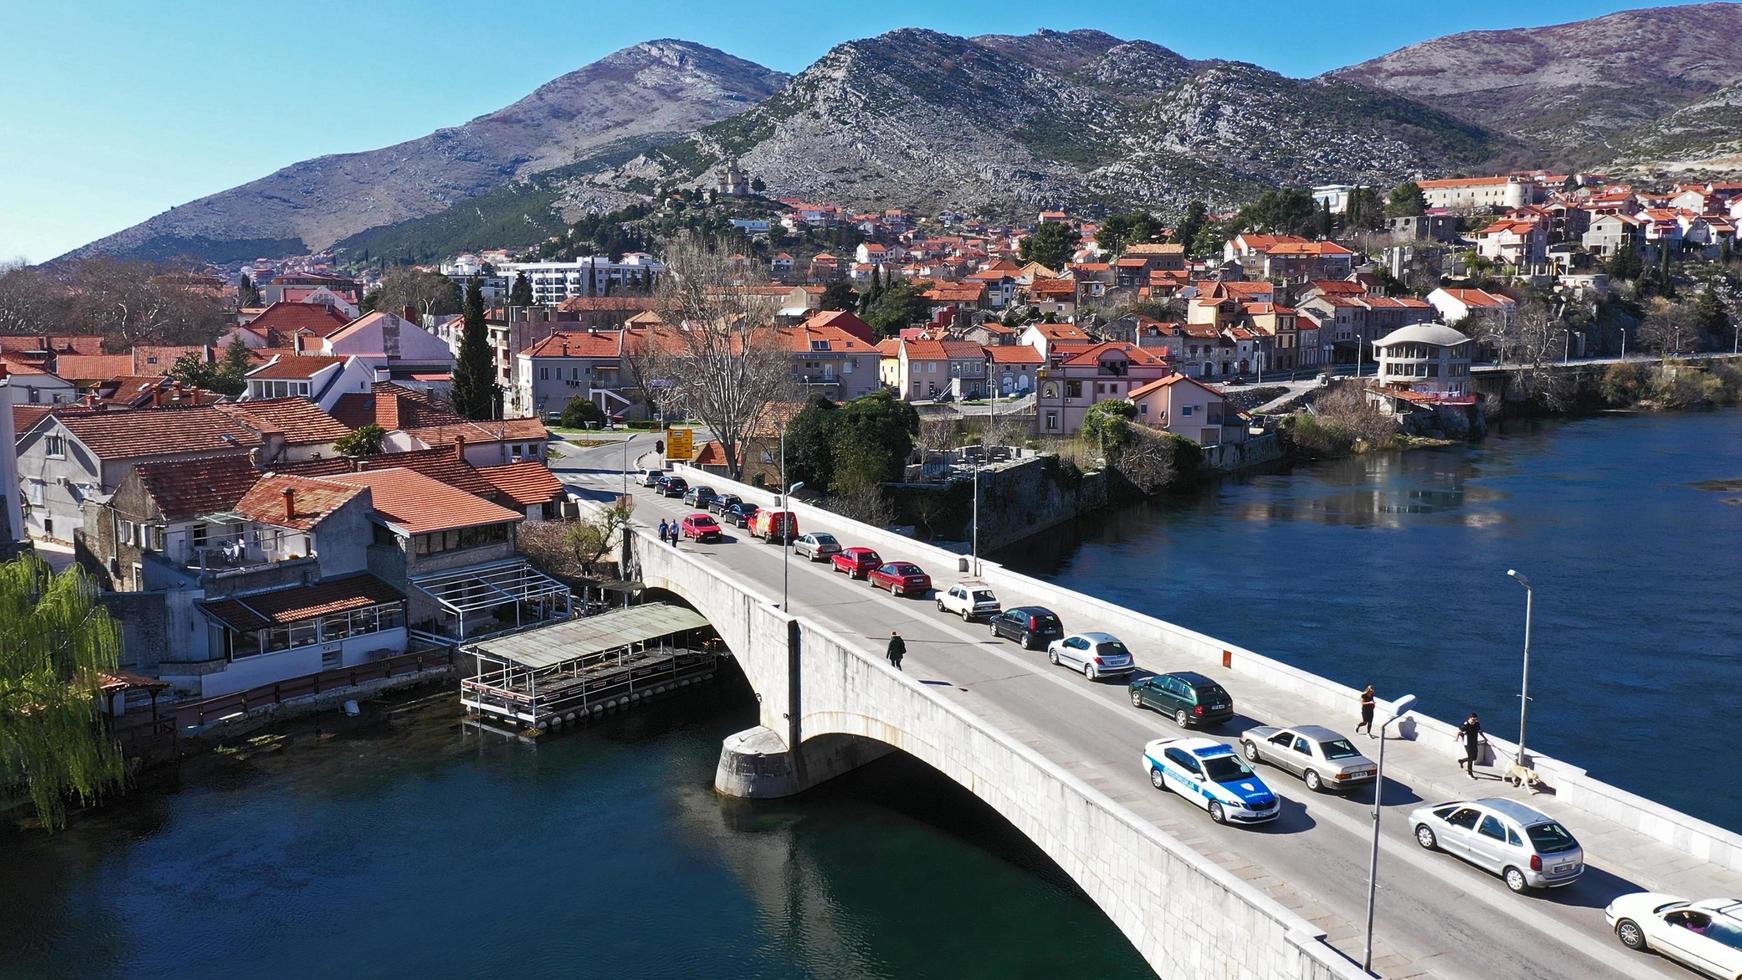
x,y
1471,732
662,530
674,534
897,648
1367,711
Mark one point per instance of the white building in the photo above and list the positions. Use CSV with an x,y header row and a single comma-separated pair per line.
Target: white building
x,y
11,514
1427,359
1479,193
1336,195
553,282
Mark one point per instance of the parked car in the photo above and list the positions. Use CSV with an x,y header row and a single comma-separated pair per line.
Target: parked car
x,y
774,525
856,562
1321,757
699,496
1190,697
1095,654
723,502
968,600
1705,935
740,514
672,486
701,527
1209,774
817,546
998,454
650,478
1524,846
900,578
1028,625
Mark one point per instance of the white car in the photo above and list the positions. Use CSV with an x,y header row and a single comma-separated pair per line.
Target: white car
x,y
968,600
1704,935
1095,654
1209,774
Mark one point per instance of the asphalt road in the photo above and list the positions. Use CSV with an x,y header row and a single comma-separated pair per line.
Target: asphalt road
x,y
1437,916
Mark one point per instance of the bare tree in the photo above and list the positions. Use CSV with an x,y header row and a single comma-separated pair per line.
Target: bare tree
x,y
1668,327
720,356
409,287
574,549
134,302
1538,338
31,302
866,504
937,435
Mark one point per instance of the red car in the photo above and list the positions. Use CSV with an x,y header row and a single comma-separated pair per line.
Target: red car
x,y
901,578
856,562
700,527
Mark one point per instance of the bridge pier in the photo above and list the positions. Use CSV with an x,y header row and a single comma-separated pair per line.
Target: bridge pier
x,y
755,764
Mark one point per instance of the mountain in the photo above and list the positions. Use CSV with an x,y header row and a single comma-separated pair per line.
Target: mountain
x,y
1003,125
1701,136
608,111
1573,92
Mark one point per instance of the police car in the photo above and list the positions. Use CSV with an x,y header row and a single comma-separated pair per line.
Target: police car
x,y
1209,774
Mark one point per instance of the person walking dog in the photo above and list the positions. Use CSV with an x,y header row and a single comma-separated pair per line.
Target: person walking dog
x,y
1471,732
897,648
1367,711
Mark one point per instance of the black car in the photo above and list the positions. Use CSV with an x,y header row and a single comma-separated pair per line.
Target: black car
x,y
673,486
1031,626
723,502
700,496
740,514
1190,697
998,454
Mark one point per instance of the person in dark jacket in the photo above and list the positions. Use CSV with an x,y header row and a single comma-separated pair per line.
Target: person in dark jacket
x,y
1471,732
897,648
662,531
1366,711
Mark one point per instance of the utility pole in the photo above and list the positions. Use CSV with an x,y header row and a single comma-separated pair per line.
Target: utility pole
x,y
1524,691
1399,708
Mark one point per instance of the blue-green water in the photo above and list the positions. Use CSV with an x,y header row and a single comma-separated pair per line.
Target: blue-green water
x,y
409,848
1392,570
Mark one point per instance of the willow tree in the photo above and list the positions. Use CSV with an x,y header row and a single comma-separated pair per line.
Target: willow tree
x,y
55,643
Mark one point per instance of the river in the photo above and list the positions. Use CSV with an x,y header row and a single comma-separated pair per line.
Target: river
x,y
1391,570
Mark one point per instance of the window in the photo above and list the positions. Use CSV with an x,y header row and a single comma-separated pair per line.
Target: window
x,y
1052,421
544,373
1186,410
1302,746
55,446
1492,828
1465,818
34,491
1073,389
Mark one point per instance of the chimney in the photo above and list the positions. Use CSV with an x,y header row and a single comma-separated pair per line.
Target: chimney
x,y
460,448
254,457
289,503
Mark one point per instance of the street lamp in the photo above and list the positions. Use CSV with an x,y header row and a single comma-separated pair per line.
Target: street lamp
x,y
1524,690
1399,709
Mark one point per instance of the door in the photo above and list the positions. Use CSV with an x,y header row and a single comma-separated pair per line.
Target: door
x,y
1185,777
1455,833
1009,625
1072,651
1693,949
1488,848
1281,747
1300,756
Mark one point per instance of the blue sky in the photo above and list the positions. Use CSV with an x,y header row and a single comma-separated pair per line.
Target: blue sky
x,y
114,110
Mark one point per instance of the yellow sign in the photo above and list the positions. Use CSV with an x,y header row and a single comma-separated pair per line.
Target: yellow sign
x,y
680,444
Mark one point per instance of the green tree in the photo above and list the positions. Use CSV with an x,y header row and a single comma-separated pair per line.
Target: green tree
x,y
757,186
1282,211
810,443
873,440
1191,225
521,292
1051,244
1211,236
1365,212
404,287
838,296
55,643
1107,424
1624,265
476,395
1711,318
897,306
1406,200
581,413
247,294
1121,230
363,441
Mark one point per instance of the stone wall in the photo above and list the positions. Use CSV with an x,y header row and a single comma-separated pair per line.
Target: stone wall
x,y
1017,499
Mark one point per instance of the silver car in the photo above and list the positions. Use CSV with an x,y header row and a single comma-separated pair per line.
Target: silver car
x,y
1321,757
1516,841
1095,654
816,547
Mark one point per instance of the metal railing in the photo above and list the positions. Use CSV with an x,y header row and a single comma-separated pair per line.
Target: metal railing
x,y
198,713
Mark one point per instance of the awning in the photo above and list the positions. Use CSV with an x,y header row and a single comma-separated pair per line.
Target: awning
x,y
282,607
478,587
576,638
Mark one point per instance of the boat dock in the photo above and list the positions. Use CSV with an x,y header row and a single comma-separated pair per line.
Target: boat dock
x,y
569,671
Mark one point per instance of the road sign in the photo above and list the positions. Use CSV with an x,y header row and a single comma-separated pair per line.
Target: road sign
x,y
680,444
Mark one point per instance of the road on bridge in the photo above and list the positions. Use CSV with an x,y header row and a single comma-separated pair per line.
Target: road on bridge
x,y
1437,916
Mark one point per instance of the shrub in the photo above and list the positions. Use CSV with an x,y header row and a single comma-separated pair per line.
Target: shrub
x,y
1623,383
580,413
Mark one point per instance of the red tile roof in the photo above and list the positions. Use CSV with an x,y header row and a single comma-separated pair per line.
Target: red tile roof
x,y
295,368
284,606
301,421
442,463
158,431
416,504
391,407
310,501
93,367
578,343
1014,354
188,488
841,320
528,483
60,343
1145,356
158,359
289,318
1169,381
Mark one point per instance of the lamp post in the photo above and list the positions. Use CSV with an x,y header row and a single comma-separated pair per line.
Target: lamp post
x,y
1399,709
1524,689
785,523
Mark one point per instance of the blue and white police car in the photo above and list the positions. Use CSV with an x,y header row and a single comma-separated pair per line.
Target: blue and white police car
x,y
1209,774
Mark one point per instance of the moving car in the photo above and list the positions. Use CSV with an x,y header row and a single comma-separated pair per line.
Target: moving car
x,y
723,502
856,562
672,486
650,478
900,578
969,599
739,514
1190,697
1321,757
1028,625
816,546
1209,774
1705,935
1095,654
774,525
701,527
1514,840
699,495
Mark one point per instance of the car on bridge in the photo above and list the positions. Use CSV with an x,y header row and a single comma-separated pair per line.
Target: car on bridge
x,y
1524,846
1209,774
699,496
740,514
1096,655
1319,756
650,478
968,600
701,527
1705,935
856,562
774,525
723,502
902,578
1028,626
672,486
817,547
1188,696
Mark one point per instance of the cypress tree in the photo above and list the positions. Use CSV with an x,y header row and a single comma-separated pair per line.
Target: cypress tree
x,y
521,294
476,394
